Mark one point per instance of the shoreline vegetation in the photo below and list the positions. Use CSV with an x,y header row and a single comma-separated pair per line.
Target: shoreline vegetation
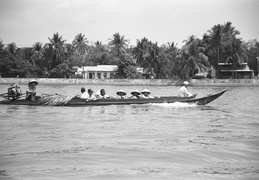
x,y
144,59
135,82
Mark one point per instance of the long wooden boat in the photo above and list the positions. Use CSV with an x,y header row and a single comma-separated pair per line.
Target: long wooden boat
x,y
74,101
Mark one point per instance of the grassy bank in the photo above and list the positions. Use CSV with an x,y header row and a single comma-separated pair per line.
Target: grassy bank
x,y
155,82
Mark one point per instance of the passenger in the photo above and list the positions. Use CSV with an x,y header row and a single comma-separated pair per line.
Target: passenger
x,y
90,95
14,91
31,90
146,94
135,94
183,91
121,94
101,94
84,94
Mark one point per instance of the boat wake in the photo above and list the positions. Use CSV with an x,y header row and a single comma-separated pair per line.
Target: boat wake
x,y
175,105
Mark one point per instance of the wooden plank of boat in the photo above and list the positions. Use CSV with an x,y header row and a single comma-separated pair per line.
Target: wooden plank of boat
x,y
75,101
112,101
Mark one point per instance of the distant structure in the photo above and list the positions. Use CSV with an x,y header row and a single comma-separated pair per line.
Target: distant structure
x,y
226,71
97,72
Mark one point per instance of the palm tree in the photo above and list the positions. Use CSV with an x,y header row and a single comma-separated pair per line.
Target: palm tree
x,y
1,46
191,60
141,49
152,60
236,55
57,49
253,54
102,55
189,40
37,53
118,44
99,46
79,44
11,48
170,52
230,31
218,38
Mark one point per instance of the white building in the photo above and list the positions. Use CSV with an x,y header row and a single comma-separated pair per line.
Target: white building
x,y
98,72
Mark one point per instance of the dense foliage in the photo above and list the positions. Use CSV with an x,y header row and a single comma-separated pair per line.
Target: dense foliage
x,y
57,58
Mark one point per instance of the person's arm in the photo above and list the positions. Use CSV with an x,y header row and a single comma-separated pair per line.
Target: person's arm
x,y
187,93
143,96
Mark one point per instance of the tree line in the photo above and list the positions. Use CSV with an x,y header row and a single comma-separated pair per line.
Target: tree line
x,y
58,59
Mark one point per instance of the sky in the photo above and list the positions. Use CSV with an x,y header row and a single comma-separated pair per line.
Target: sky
x,y
25,22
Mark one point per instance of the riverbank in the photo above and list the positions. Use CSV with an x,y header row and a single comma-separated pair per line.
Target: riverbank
x,y
150,82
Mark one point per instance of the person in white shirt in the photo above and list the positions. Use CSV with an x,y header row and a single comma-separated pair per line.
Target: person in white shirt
x,y
84,94
101,94
183,91
90,95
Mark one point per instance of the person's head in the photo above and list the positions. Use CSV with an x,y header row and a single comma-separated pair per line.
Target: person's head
x,y
121,93
102,92
82,90
14,85
90,91
145,92
185,83
33,83
135,93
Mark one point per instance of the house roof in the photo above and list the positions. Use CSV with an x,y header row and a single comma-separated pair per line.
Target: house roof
x,y
98,68
227,64
238,70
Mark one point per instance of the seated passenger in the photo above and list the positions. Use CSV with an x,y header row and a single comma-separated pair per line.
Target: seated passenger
x,y
31,90
135,94
121,94
84,94
14,91
90,95
183,91
101,94
146,94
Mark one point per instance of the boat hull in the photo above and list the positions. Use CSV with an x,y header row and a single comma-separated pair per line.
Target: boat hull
x,y
104,102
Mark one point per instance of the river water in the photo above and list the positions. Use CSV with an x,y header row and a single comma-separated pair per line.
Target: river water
x,y
156,141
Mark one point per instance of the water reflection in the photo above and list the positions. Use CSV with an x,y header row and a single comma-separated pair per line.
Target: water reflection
x,y
212,108
32,109
12,109
121,110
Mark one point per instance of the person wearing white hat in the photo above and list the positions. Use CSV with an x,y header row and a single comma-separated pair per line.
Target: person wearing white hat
x,y
135,94
31,90
183,91
121,94
146,94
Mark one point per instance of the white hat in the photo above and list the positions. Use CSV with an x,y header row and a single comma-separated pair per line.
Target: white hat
x,y
33,81
121,91
135,91
185,82
146,91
